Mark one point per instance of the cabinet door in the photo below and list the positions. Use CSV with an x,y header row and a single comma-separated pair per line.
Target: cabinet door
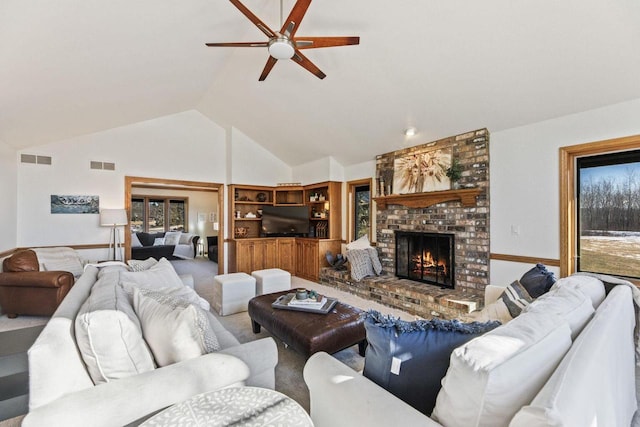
x,y
245,256
287,255
299,258
269,254
311,254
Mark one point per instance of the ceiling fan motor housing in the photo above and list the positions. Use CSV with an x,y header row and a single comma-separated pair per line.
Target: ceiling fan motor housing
x,y
281,48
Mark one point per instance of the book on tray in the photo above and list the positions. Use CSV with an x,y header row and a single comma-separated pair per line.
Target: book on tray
x,y
309,302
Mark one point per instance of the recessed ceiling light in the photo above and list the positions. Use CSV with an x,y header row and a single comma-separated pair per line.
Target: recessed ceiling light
x,y
410,131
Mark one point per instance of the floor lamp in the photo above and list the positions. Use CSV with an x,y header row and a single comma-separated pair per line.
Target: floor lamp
x,y
114,218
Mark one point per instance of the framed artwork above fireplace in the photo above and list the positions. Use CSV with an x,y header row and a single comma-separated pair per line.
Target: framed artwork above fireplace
x,y
422,171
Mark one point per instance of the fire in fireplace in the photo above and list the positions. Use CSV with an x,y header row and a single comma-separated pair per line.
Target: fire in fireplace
x,y
425,257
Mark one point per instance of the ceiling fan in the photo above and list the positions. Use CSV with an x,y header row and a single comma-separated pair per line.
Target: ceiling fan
x,y
284,44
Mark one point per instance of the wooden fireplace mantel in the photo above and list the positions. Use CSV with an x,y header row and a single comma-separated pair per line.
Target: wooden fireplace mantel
x,y
467,196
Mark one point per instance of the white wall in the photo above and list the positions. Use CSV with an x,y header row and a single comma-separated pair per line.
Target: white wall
x,y
252,164
9,197
320,170
525,180
185,146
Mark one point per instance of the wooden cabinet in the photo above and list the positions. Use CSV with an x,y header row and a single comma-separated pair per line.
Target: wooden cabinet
x,y
286,257
311,255
249,255
325,205
300,256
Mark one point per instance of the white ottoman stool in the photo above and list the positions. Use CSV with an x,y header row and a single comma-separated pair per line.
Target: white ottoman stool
x,y
232,292
271,280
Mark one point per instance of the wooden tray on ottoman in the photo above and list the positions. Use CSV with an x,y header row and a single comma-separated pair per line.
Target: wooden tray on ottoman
x,y
308,333
282,303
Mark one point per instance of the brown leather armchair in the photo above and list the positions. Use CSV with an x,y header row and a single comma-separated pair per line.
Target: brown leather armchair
x,y
26,290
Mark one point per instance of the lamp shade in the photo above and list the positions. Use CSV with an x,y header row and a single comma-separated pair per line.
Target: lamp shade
x,y
111,217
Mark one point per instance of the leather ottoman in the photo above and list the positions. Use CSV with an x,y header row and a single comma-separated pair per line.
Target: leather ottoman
x,y
309,333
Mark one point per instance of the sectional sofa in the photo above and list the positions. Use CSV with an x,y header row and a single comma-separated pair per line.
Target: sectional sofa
x,y
90,366
567,360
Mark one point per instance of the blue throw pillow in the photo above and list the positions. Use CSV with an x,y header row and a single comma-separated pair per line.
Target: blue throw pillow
x,y
538,280
421,350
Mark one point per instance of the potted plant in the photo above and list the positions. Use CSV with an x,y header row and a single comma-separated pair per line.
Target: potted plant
x,y
454,172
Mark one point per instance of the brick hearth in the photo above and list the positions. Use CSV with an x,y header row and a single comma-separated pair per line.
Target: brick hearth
x,y
423,300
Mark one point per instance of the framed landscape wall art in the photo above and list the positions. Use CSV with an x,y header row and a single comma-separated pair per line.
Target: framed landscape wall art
x,y
422,171
63,204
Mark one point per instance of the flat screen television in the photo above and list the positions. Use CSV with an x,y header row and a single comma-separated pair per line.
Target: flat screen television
x,y
280,221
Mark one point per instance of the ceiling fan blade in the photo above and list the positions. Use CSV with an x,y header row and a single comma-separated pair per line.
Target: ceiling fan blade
x,y
240,44
304,62
253,18
267,68
292,22
315,42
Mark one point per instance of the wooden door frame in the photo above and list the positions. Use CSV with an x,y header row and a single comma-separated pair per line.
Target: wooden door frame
x,y
172,184
351,185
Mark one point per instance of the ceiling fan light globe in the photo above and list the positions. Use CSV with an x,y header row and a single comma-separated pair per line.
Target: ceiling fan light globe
x,y
281,49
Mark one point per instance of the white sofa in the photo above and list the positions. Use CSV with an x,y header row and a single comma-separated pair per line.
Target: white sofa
x,y
578,371
62,392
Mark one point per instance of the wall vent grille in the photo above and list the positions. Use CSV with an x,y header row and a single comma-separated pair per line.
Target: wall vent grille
x,y
32,158
108,166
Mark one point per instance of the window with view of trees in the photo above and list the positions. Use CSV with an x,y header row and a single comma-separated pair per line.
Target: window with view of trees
x,y
608,196
362,203
157,213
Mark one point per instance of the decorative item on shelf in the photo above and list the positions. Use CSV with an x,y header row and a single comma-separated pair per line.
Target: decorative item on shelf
x,y
454,172
338,262
236,195
243,199
321,230
238,214
240,232
259,213
261,197
289,184
386,182
250,215
322,198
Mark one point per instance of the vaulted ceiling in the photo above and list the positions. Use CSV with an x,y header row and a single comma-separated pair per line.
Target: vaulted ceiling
x,y
73,67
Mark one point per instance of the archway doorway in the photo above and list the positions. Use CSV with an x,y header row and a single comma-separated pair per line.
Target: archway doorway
x,y
216,190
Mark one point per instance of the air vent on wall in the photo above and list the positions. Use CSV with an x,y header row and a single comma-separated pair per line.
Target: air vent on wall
x,y
103,165
32,158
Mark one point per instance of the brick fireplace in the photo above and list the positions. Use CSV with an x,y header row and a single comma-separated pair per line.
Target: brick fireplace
x,y
461,213
468,222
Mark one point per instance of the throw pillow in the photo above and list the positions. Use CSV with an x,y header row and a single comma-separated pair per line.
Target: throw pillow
x,y
497,310
516,298
185,293
26,260
158,241
172,238
72,265
185,238
361,243
173,329
142,265
361,265
135,242
161,275
375,261
409,359
538,280
109,335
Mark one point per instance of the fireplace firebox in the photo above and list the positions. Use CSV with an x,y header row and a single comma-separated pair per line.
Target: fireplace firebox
x,y
426,257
